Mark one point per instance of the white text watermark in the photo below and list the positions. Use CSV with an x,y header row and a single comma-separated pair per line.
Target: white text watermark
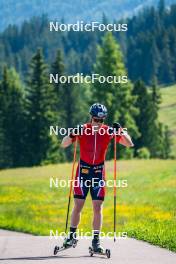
x,y
83,130
87,27
79,78
80,234
55,182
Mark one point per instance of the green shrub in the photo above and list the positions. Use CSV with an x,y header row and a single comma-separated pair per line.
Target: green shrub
x,y
143,153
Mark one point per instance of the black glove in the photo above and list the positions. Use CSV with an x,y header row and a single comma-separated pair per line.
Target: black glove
x,y
117,128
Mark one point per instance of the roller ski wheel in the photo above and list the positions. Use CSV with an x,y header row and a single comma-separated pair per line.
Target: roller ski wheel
x,y
56,249
91,251
65,246
106,252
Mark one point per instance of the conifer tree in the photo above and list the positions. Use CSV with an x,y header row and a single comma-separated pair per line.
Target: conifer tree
x,y
6,159
117,97
143,118
166,143
58,67
41,111
166,68
12,125
161,7
152,133
160,132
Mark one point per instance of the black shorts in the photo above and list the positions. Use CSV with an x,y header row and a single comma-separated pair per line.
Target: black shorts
x,y
89,177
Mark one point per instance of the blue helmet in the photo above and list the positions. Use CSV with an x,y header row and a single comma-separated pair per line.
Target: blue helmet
x,y
98,110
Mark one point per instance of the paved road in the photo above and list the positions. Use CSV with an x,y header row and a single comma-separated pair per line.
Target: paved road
x,y
19,248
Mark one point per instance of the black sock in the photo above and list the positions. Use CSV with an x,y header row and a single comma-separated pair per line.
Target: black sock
x,y
96,234
72,233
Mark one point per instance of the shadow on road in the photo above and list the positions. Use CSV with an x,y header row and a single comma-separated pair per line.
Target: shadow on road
x,y
45,257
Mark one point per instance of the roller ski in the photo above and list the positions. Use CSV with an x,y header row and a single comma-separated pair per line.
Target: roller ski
x,y
98,250
68,243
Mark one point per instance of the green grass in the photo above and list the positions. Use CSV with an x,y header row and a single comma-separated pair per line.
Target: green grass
x,y
145,210
167,113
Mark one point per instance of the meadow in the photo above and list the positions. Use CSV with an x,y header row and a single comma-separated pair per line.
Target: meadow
x,y
145,209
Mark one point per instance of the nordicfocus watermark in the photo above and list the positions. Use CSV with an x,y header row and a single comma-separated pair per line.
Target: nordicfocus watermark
x,y
80,78
62,131
54,182
87,27
80,234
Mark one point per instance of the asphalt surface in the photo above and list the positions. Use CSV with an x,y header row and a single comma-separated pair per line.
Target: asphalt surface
x,y
19,248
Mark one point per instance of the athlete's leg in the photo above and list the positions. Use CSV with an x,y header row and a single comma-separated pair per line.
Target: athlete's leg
x,y
97,191
76,213
97,222
80,193
75,218
97,214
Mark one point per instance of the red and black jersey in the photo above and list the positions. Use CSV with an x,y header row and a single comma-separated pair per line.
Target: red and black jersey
x,y
93,146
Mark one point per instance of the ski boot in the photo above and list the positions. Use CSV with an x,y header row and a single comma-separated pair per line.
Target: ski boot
x,y
68,243
98,250
96,246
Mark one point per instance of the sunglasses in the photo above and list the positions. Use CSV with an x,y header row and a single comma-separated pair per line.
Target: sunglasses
x,y
98,120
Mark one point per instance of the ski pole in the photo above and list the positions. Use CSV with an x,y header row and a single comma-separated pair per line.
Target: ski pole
x,y
115,169
71,185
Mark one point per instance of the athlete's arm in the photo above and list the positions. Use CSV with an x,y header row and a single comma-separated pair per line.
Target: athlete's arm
x,y
66,141
126,140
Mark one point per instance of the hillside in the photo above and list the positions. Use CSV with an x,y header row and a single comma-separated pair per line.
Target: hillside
x,y
143,60
167,112
16,11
